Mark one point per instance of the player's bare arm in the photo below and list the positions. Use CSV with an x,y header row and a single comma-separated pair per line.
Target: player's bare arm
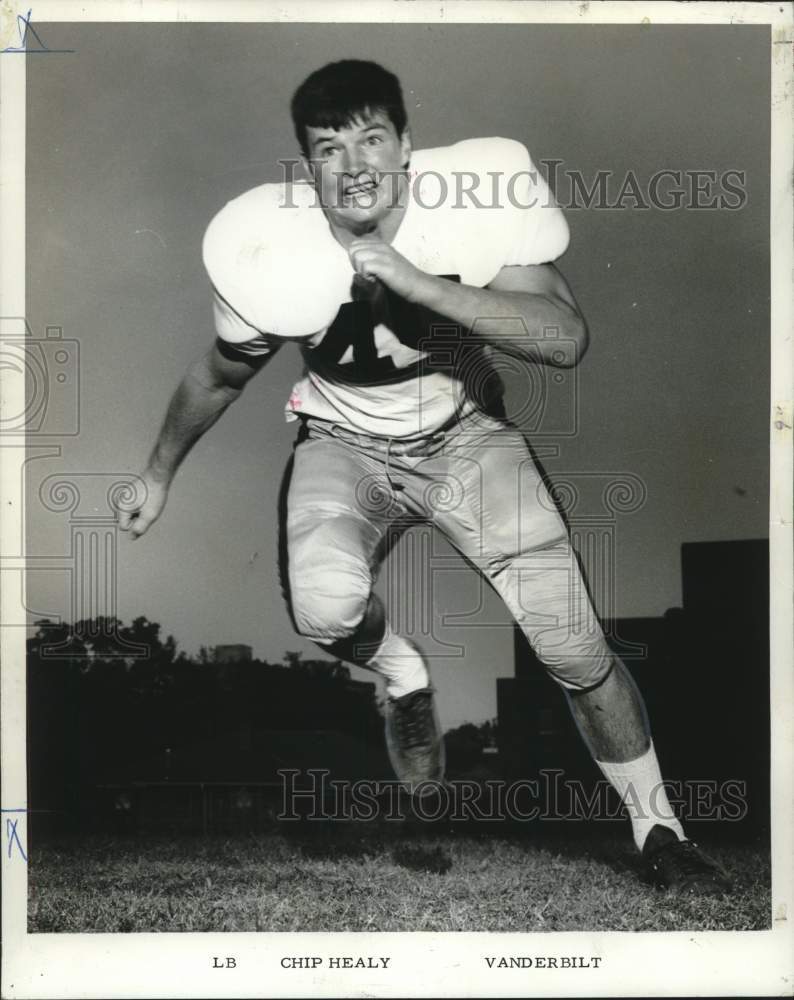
x,y
537,294
209,386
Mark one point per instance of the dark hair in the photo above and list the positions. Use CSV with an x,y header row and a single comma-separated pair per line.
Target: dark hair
x,y
339,93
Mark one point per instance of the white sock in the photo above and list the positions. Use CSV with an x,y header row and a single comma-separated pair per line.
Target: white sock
x,y
639,785
401,663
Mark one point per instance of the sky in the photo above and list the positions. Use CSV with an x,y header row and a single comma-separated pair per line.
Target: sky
x,y
137,138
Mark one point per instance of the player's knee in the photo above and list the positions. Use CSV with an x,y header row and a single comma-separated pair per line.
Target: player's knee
x,y
576,667
330,576
329,610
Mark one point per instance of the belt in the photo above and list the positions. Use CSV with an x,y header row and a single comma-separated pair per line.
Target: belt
x,y
386,445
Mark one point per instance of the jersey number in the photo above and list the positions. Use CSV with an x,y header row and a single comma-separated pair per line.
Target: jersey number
x,y
354,326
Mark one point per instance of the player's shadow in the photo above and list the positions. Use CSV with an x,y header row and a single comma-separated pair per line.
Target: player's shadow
x,y
420,858
608,844
338,839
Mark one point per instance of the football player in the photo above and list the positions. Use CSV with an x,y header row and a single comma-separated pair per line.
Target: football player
x,y
402,275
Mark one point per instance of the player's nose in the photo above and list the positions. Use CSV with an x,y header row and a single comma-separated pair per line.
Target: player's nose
x,y
353,161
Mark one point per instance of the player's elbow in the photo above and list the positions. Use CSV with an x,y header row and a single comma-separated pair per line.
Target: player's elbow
x,y
214,378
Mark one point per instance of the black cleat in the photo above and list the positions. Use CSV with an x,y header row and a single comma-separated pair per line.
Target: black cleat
x,y
414,742
680,865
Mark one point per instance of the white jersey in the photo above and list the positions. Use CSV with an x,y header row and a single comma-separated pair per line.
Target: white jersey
x,y
387,367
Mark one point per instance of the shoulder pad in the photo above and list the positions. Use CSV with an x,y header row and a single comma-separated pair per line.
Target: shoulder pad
x,y
487,206
270,255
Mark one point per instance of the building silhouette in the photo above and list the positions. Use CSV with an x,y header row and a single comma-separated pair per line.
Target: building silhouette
x,y
703,670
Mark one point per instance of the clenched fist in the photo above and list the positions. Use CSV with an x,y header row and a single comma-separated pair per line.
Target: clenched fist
x,y
137,520
375,260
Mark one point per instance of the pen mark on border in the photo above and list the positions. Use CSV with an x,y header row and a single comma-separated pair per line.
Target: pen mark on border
x,y
12,834
25,28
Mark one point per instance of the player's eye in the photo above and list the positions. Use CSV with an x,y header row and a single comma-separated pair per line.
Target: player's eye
x,y
374,140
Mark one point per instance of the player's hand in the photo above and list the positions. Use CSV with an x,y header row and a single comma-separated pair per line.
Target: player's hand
x,y
137,519
374,260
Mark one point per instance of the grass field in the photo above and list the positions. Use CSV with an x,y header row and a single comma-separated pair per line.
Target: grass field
x,y
368,877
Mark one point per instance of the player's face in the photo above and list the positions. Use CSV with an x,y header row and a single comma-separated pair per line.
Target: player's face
x,y
357,170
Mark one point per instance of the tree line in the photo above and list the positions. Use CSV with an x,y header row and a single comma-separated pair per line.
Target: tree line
x,y
102,694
